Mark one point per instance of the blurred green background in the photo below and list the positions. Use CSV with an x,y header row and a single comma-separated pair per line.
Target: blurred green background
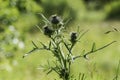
x,y
17,29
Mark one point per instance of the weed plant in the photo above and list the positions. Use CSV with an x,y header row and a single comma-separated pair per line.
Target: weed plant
x,y
54,28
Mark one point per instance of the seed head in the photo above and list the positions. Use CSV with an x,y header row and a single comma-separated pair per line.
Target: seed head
x,y
54,19
48,31
73,37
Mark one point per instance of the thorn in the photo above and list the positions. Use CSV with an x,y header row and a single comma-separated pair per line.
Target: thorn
x,y
25,55
115,29
85,56
107,32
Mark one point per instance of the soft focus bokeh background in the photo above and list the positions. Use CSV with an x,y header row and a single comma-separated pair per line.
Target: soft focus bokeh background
x,y
17,29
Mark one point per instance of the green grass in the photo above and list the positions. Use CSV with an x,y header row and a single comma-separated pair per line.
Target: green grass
x,y
101,65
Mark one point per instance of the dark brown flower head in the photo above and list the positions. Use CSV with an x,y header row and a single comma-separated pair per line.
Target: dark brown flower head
x,y
48,31
73,37
54,19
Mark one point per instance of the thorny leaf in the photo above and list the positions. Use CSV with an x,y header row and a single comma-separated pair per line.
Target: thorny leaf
x,y
67,21
82,34
101,48
49,68
34,45
49,71
85,55
45,19
93,47
39,28
34,49
83,52
49,44
115,29
108,32
44,46
66,46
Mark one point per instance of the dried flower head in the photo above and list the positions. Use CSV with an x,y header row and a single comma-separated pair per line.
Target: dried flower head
x,y
54,19
73,37
48,31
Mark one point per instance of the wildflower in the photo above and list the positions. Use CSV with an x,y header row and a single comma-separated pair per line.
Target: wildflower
x,y
48,31
73,37
54,19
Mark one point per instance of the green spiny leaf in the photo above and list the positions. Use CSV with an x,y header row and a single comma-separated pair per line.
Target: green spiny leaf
x,y
83,51
67,21
93,47
82,35
44,46
49,71
66,46
34,45
49,44
45,19
39,28
34,49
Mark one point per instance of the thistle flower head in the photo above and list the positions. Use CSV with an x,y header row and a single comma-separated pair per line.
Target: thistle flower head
x,y
73,37
48,31
54,19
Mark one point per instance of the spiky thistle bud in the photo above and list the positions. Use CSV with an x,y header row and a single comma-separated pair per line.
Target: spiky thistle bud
x,y
73,37
54,19
48,31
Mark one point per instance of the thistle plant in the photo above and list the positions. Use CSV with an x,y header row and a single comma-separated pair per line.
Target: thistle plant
x,y
54,28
